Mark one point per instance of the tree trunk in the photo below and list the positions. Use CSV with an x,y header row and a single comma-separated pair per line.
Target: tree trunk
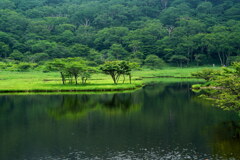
x,y
114,78
117,77
227,56
220,58
76,79
70,79
164,3
63,77
130,78
123,78
224,58
82,80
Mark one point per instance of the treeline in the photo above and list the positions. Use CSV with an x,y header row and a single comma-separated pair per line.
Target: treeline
x,y
71,69
180,32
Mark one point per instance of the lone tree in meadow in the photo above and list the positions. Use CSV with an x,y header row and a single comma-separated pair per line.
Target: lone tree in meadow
x,y
59,66
73,70
118,68
127,68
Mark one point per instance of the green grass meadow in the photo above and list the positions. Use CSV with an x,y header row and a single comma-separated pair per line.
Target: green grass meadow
x,y
35,81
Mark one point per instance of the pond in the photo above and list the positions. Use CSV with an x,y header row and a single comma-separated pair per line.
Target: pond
x,y
162,121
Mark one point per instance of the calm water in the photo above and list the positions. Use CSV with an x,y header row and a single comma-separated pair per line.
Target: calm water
x,y
164,121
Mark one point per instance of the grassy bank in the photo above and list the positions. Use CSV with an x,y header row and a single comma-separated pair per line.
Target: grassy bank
x,y
51,82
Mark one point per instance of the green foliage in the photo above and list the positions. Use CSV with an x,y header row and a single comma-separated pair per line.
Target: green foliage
x,y
24,66
207,74
4,50
17,66
37,57
200,58
113,69
227,86
117,51
179,59
38,81
6,4
109,36
196,86
58,65
71,68
16,55
79,50
181,32
3,65
153,61
233,59
118,68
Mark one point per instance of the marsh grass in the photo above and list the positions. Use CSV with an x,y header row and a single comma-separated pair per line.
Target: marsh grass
x,y
171,72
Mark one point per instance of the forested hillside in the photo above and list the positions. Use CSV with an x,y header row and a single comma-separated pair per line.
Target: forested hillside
x,y
180,32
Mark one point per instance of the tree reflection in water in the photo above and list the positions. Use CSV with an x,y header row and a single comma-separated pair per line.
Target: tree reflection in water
x,y
80,105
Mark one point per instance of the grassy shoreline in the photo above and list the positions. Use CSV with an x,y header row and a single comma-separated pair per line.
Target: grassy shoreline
x,y
36,82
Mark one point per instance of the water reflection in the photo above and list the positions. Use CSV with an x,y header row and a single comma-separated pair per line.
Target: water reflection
x,y
226,138
162,121
79,106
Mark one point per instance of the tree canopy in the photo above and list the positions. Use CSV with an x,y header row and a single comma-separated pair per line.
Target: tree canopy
x,y
223,86
116,69
179,32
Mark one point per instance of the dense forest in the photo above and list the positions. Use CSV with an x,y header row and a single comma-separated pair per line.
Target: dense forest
x,y
178,32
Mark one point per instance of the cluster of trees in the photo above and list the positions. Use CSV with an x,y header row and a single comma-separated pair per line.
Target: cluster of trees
x,y
180,32
224,86
71,69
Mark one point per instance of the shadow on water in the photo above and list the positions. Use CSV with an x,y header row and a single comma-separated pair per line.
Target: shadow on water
x,y
160,121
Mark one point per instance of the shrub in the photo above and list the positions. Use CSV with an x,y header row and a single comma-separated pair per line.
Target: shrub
x,y
206,74
153,61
